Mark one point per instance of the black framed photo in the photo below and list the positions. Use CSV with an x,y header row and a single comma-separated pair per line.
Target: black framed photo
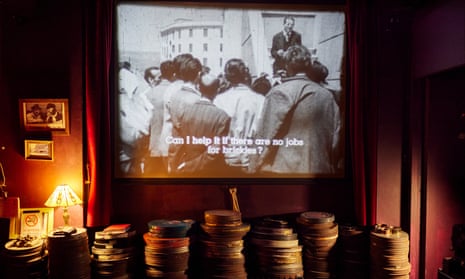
x,y
45,115
264,120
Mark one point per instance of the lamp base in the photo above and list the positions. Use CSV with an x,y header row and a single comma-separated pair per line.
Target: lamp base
x,y
64,230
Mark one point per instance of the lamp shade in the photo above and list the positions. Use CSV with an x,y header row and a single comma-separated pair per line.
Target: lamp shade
x,y
63,196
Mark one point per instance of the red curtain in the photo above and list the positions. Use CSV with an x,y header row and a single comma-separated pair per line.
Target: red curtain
x,y
361,116
98,55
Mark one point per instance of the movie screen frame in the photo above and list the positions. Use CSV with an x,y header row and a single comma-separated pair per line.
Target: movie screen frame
x,y
151,32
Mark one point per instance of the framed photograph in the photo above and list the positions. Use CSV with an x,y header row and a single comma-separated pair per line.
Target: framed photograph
x,y
38,150
160,134
36,222
45,115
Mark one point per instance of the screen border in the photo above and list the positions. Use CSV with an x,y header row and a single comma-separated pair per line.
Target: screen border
x,y
332,5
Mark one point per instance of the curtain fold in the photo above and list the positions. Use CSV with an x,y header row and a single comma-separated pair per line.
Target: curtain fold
x,y
98,54
362,131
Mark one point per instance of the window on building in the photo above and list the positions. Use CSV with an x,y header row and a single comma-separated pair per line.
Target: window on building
x,y
205,60
221,47
173,49
179,34
179,48
191,32
221,62
221,32
205,32
205,47
191,48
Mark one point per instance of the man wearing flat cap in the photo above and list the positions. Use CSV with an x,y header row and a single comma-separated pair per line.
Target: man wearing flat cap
x,y
35,115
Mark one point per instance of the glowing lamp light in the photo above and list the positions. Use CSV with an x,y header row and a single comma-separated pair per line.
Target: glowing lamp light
x,y
63,196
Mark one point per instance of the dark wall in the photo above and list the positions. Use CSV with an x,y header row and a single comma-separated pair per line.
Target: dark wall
x,y
438,37
390,64
141,203
438,60
445,191
41,57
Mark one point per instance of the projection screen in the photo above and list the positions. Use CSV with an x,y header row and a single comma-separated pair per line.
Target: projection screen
x,y
263,121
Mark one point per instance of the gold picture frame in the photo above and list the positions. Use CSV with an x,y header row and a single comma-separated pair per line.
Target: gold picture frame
x,y
45,115
38,150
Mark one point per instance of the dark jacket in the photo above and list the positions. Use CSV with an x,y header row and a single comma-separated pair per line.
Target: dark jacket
x,y
198,125
306,118
280,42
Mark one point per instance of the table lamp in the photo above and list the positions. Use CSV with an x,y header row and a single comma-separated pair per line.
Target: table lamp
x,y
63,196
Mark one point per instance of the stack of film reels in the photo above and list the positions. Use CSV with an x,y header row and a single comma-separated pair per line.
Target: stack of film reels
x,y
221,244
25,257
113,252
318,234
69,255
389,252
273,250
354,252
167,249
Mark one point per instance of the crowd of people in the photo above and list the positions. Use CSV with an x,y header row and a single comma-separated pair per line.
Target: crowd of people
x,y
186,122
170,127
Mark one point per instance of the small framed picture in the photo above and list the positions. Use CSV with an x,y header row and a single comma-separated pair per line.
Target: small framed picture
x,y
45,115
36,222
38,150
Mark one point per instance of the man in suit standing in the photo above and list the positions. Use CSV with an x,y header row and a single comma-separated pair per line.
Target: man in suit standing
x,y
282,41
